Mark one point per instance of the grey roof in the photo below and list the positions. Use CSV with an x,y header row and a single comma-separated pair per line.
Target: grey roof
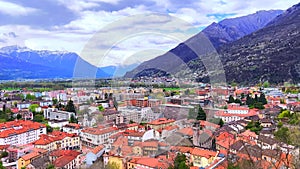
x,y
177,139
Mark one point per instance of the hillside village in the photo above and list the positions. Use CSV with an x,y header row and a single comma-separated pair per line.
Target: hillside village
x,y
155,128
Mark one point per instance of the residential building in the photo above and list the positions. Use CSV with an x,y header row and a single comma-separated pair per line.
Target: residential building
x,y
72,128
58,140
55,114
20,132
93,137
202,157
94,154
235,113
69,159
29,157
160,123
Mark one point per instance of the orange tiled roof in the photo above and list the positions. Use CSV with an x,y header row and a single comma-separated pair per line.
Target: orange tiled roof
x,y
35,153
161,121
99,131
9,128
97,149
58,153
30,156
171,127
186,131
225,114
62,161
206,123
182,149
249,133
203,153
73,125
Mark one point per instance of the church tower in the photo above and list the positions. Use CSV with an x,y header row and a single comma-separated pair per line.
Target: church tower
x,y
196,128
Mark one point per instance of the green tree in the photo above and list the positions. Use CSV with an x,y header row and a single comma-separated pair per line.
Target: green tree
x,y
280,124
54,100
180,162
266,84
38,118
116,105
284,113
231,99
112,165
30,97
259,105
70,107
50,166
221,123
263,99
238,101
73,119
282,134
101,108
242,95
33,107
249,100
19,116
49,128
255,98
201,114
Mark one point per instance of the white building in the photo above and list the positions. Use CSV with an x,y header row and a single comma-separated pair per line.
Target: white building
x,y
143,114
20,132
235,113
96,136
55,114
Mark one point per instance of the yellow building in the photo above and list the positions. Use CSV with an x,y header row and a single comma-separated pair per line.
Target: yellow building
x,y
118,161
202,158
58,140
160,123
27,158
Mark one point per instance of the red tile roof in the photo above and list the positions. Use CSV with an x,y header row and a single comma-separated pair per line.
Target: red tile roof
x,y
186,131
97,149
58,153
203,153
62,161
73,125
161,121
99,131
18,127
225,114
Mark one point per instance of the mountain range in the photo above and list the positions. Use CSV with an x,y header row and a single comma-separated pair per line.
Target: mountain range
x,y
24,63
217,34
260,47
257,47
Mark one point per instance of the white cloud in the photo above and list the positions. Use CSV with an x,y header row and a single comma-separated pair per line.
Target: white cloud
x,y
15,9
125,36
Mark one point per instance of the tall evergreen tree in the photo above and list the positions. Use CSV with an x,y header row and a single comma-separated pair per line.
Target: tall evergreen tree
x,y
231,99
249,100
70,107
263,99
201,114
256,98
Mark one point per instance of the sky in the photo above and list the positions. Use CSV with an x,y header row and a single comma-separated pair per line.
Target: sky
x,y
116,32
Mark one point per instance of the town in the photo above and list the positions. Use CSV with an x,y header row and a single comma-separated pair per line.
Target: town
x,y
151,126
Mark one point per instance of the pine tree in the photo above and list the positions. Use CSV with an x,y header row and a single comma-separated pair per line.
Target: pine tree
x,y
263,99
249,100
231,99
201,114
70,107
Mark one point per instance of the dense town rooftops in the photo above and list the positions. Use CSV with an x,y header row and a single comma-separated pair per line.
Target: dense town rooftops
x,y
18,127
97,131
161,121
